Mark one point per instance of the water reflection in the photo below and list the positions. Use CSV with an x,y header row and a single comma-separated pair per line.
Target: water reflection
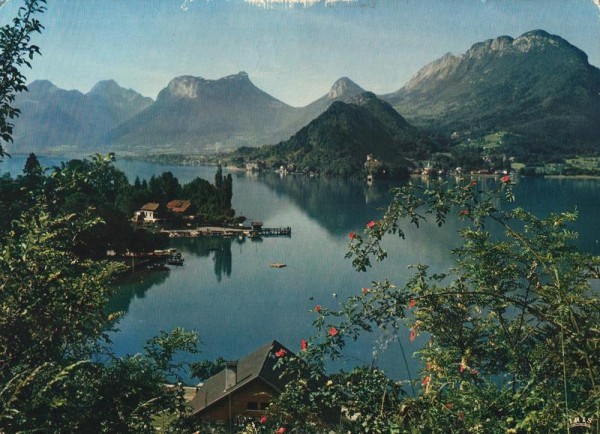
x,y
219,249
336,204
134,285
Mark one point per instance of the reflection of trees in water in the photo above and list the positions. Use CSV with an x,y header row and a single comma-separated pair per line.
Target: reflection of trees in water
x,y
217,247
132,286
135,285
337,204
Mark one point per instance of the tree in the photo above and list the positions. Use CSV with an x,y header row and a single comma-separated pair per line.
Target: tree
x,y
511,331
32,166
56,373
53,302
16,51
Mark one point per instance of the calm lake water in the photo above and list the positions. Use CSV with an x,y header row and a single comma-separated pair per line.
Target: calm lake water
x,y
228,292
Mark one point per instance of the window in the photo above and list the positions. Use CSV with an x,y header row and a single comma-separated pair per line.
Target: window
x,y
252,405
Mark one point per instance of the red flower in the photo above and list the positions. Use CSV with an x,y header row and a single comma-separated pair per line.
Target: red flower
x,y
505,179
263,419
412,334
412,303
428,366
365,290
318,308
473,183
280,430
461,415
425,381
464,212
474,372
333,331
461,367
281,353
351,235
371,224
303,344
449,405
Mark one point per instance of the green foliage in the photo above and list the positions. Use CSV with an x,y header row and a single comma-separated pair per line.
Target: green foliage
x,y
17,51
511,331
206,368
56,374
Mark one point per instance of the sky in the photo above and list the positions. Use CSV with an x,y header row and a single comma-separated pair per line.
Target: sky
x,y
292,49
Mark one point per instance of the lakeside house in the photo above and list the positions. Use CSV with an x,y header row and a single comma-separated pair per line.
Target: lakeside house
x,y
179,207
148,213
245,388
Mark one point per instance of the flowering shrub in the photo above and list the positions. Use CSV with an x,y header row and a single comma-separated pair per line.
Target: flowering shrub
x,y
512,336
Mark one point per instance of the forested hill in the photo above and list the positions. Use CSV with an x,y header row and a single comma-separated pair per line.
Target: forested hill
x,y
537,86
339,141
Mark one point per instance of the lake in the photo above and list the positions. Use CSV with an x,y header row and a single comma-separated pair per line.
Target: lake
x,y
228,292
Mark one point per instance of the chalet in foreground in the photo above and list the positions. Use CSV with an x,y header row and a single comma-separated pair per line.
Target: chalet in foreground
x,y
243,388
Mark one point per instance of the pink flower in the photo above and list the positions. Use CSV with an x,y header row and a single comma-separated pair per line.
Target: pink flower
x,y
371,224
462,367
281,353
473,183
449,405
303,344
263,419
351,235
280,430
464,212
505,179
332,331
365,290
412,303
318,308
474,372
428,366
461,415
425,381
412,334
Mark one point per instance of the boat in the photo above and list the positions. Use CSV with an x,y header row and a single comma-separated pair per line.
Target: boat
x,y
175,259
278,265
159,267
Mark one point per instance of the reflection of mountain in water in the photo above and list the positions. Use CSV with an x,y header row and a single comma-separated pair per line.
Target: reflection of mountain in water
x,y
134,286
337,204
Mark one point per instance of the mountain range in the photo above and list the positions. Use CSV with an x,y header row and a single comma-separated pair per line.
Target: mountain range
x,y
54,119
537,87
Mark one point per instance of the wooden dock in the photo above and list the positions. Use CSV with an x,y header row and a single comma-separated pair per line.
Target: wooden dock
x,y
266,232
228,232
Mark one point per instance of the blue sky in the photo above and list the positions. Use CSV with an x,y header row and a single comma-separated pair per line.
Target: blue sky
x,y
293,52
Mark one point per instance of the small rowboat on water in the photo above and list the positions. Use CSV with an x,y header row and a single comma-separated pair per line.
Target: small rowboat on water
x,y
278,265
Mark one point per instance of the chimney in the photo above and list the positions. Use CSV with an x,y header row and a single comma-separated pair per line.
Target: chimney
x,y
230,374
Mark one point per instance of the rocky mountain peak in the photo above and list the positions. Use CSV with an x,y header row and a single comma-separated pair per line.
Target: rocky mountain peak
x,y
44,86
242,75
344,88
185,86
106,87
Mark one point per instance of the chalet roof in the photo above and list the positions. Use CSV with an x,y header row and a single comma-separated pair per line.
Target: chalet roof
x,y
256,365
178,205
152,206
